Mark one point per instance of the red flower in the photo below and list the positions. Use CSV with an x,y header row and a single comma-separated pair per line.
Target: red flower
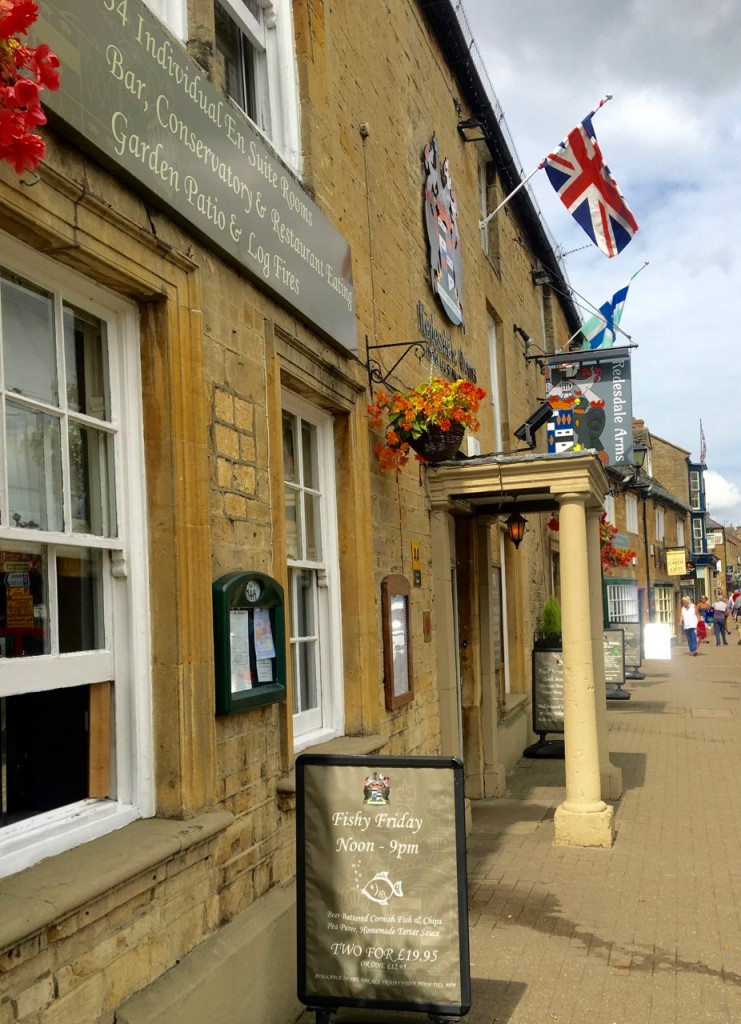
x,y
16,17
24,72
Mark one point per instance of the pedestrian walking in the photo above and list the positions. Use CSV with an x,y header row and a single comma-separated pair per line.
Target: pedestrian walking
x,y
704,615
720,610
737,613
688,622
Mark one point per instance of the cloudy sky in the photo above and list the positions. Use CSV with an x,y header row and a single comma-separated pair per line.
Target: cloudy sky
x,y
671,136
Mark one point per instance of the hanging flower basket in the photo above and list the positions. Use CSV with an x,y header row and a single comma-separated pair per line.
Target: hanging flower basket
x,y
430,420
437,445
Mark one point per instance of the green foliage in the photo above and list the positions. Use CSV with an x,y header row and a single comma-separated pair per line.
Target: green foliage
x,y
550,622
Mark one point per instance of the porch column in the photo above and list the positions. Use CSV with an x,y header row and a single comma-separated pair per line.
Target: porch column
x,y
583,819
611,776
445,633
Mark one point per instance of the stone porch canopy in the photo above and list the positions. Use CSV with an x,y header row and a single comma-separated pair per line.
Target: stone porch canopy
x,y
574,484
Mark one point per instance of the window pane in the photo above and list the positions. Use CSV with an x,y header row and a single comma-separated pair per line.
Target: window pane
x,y
399,643
293,535
308,454
289,448
24,602
305,624
34,469
44,751
28,339
306,680
91,481
229,47
80,601
312,512
86,364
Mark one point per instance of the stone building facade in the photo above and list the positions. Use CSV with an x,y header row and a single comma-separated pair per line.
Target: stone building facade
x,y
651,514
184,392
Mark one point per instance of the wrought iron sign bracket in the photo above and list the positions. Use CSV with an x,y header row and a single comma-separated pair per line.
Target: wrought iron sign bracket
x,y
374,368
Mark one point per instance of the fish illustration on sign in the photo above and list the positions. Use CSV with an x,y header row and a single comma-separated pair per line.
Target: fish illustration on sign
x,y
380,888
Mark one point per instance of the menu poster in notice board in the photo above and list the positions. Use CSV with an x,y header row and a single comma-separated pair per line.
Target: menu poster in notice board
x,y
613,641
381,883
547,691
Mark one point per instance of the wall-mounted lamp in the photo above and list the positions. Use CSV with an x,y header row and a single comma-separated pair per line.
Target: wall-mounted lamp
x,y
525,336
632,479
541,277
516,528
640,451
473,130
533,423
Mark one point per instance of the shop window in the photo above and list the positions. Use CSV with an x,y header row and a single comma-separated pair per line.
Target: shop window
x,y
72,561
313,573
254,40
621,597
664,605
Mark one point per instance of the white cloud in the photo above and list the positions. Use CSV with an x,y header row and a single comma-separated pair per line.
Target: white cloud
x,y
723,498
671,138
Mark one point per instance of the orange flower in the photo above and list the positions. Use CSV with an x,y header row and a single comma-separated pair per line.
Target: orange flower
x,y
407,415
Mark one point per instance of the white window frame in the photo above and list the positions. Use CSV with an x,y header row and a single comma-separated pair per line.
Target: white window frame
x,y
494,393
695,491
680,533
622,601
659,516
631,513
483,203
664,604
609,507
697,534
327,721
274,37
127,659
172,13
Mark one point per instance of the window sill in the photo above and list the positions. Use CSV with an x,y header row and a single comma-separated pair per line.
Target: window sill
x,y
514,704
112,866
286,787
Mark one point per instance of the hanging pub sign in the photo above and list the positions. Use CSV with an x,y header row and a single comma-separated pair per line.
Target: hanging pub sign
x,y
381,876
441,220
131,94
590,394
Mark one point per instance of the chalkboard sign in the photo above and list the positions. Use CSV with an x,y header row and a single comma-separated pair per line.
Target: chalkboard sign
x,y
613,642
382,915
632,633
547,691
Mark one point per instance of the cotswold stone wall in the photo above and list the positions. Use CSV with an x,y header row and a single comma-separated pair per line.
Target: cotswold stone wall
x,y
215,353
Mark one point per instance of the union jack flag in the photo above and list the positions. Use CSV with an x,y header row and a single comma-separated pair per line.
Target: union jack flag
x,y
582,179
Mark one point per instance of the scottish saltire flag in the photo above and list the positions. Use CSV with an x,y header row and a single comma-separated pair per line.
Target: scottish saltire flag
x,y
582,179
703,446
600,330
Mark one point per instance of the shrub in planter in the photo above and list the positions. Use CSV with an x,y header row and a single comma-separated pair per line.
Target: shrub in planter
x,y
549,631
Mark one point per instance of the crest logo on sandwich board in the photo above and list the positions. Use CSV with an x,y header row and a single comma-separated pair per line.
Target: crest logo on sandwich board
x,y
441,220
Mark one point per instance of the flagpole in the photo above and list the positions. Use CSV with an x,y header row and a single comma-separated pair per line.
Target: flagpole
x,y
485,221
598,313
541,165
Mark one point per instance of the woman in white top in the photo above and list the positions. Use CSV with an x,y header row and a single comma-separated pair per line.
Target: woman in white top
x,y
688,622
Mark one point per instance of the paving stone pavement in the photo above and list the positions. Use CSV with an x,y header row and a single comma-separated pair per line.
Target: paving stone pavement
x,y
649,931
